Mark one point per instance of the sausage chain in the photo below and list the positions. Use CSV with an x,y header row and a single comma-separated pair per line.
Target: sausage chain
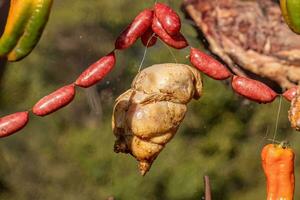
x,y
160,21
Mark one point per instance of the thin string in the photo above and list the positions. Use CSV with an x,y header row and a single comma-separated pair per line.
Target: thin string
x,y
145,52
268,139
266,135
171,52
144,56
274,141
277,119
146,49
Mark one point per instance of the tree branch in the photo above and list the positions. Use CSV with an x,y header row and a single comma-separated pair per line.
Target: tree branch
x,y
207,188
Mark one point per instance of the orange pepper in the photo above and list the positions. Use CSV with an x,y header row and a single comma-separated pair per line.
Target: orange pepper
x,y
278,165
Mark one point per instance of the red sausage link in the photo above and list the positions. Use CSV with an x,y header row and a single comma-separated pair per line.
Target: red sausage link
x,y
135,30
253,90
12,123
96,71
54,101
149,38
208,65
290,93
168,18
177,41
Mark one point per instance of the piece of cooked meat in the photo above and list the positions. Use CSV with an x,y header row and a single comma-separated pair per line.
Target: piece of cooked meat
x,y
147,116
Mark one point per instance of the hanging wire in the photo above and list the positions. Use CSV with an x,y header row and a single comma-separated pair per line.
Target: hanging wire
x,y
265,137
171,52
277,119
145,52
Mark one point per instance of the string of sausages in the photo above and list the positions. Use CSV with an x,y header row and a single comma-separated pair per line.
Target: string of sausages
x,y
158,22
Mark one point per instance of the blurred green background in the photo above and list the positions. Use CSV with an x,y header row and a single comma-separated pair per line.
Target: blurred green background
x,y
69,154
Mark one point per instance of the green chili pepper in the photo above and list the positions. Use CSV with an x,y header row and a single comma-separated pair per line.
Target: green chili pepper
x,y
33,30
19,13
291,13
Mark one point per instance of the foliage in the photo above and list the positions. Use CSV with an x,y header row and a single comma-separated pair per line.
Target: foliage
x,y
69,155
